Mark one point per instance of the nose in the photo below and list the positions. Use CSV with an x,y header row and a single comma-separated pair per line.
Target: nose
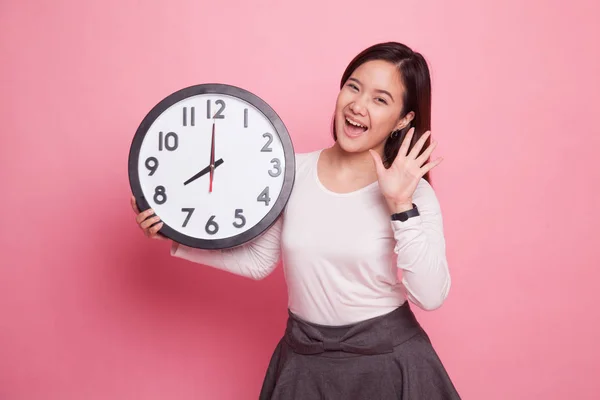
x,y
358,106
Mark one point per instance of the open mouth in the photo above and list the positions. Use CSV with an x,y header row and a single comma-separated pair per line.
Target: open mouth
x,y
353,128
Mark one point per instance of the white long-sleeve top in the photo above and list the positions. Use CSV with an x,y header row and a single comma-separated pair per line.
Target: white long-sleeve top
x,y
344,259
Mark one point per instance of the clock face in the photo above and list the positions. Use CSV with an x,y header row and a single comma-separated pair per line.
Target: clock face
x,y
250,151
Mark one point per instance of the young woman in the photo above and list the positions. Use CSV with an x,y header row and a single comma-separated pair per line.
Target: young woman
x,y
360,211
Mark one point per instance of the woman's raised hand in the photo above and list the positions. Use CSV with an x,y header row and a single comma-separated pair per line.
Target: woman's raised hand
x,y
399,182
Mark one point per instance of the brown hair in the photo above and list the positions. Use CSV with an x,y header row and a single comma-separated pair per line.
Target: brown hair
x,y
414,73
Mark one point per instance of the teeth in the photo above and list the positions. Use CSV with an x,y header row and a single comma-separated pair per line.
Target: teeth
x,y
355,123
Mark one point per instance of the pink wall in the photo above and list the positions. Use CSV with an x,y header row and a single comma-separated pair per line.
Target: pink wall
x,y
90,309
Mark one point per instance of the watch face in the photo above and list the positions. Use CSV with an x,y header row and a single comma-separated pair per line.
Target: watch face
x,y
216,164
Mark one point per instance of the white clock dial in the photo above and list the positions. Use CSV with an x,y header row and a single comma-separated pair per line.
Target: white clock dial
x,y
249,169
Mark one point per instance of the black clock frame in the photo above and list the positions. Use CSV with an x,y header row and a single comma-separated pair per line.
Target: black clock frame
x,y
280,129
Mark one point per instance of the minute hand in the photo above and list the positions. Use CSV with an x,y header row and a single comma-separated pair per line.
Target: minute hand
x,y
212,158
203,172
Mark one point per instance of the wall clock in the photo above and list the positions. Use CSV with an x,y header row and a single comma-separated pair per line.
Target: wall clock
x,y
215,162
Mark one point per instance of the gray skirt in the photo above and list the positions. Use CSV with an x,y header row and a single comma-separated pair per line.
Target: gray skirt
x,y
387,357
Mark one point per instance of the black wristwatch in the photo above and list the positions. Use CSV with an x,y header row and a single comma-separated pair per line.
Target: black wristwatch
x,y
405,215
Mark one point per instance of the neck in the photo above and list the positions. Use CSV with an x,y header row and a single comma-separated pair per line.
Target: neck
x,y
356,164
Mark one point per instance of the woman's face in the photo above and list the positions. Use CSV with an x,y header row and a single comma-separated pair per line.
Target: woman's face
x,y
368,107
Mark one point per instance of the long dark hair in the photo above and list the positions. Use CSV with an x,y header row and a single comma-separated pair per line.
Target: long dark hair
x,y
414,73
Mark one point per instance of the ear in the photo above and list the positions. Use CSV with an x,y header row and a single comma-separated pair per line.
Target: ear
x,y
404,122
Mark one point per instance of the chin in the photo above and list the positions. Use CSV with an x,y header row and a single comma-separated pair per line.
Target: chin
x,y
351,143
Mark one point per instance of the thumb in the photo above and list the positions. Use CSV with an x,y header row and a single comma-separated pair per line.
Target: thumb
x,y
378,162
134,205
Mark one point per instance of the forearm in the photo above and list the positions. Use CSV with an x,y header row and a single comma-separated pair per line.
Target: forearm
x,y
255,260
421,251
421,257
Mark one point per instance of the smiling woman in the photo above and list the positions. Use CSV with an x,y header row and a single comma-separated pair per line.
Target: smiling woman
x,y
405,75
360,211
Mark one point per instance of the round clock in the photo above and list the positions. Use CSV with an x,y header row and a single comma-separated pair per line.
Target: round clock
x,y
215,162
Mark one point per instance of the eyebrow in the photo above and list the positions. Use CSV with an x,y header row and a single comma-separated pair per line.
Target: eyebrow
x,y
377,90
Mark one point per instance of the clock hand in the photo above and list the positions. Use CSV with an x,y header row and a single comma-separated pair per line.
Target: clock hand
x,y
212,158
203,172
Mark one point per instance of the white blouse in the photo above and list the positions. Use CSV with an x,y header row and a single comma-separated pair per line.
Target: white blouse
x,y
344,259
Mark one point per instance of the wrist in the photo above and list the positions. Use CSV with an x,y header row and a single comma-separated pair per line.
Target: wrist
x,y
400,206
403,216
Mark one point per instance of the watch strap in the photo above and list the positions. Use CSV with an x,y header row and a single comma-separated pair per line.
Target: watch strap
x,y
405,215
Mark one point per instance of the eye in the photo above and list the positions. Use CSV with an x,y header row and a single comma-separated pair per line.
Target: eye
x,y
381,100
352,86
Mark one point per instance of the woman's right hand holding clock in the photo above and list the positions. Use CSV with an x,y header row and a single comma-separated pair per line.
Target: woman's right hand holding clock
x,y
148,224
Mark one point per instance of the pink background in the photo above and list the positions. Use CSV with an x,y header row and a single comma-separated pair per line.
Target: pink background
x,y
90,309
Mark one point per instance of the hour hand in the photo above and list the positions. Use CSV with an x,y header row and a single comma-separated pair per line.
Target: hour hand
x,y
203,172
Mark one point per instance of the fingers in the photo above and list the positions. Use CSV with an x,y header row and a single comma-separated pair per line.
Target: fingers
x,y
149,222
423,157
419,145
149,225
153,232
378,162
406,142
430,165
143,215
